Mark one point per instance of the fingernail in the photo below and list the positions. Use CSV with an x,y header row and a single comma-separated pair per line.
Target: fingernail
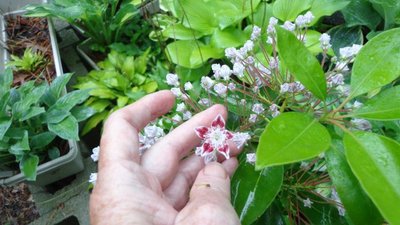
x,y
215,170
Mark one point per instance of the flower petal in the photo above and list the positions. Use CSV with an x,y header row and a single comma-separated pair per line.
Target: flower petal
x,y
224,150
228,135
218,122
207,148
201,131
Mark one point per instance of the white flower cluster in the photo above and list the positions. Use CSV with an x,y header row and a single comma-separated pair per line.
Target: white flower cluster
x,y
186,114
251,158
291,87
348,53
93,178
256,33
149,136
274,109
240,139
95,154
325,41
304,20
335,80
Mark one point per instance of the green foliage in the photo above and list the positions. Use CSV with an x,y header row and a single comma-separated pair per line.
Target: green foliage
x,y
27,129
120,81
105,22
29,62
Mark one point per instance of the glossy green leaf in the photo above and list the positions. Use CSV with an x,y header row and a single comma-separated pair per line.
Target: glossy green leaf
x,y
384,106
28,166
253,191
81,113
5,123
291,137
198,15
375,161
290,9
94,121
41,140
180,32
55,89
32,112
66,129
361,12
359,207
327,7
301,63
377,63
342,36
21,146
229,37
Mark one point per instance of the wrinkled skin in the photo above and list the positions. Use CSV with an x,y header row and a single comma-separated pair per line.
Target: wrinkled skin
x,y
168,184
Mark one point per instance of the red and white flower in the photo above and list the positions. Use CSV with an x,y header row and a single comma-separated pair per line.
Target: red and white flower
x,y
214,139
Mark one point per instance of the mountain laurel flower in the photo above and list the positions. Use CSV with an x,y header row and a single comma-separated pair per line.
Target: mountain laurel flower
x,y
95,154
253,118
231,86
93,178
255,34
349,52
221,89
181,107
176,119
187,115
231,53
225,72
264,70
240,139
206,83
172,79
188,86
251,158
274,63
149,136
274,110
307,202
257,108
304,20
291,87
204,102
325,41
177,92
214,139
361,124
336,80
289,26
271,26
238,69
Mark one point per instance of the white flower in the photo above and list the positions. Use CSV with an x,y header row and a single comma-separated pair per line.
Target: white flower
x,y
149,136
177,92
240,139
257,108
357,104
250,60
274,63
225,72
335,80
342,66
256,33
325,41
207,83
289,26
172,79
231,53
361,124
285,87
180,107
176,119
253,118
188,86
349,52
220,89
93,178
274,110
344,89
262,68
270,40
291,87
309,17
95,154
247,47
231,86
271,26
304,20
187,115
204,101
307,202
238,69
251,158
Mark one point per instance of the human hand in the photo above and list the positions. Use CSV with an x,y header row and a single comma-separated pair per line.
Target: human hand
x,y
166,185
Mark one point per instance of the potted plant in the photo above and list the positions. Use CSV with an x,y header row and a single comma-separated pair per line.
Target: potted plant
x,y
39,130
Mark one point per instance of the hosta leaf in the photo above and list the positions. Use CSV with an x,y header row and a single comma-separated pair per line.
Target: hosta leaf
x,y
253,191
66,129
94,121
327,7
21,146
5,123
375,161
377,63
41,140
28,166
361,12
384,106
359,207
229,37
290,9
301,63
291,137
81,113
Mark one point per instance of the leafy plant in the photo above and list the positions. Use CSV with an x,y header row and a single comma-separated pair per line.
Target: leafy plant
x,y
121,80
105,22
32,117
322,130
29,62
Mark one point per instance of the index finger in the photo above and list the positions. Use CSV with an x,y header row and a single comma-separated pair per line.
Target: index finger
x,y
120,139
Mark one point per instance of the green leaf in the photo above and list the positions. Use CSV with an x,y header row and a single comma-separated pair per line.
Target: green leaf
x,y
262,14
180,32
361,12
21,146
359,207
342,36
229,37
290,9
377,63
384,106
253,191
28,166
321,8
94,121
301,63
53,153
41,140
100,104
5,123
291,137
6,80
198,15
82,113
55,89
375,161
32,112
66,129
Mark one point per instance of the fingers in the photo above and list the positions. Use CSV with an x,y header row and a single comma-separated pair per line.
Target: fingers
x,y
210,197
163,158
120,136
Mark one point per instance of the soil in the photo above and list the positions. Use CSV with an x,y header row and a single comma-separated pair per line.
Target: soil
x,y
30,32
17,206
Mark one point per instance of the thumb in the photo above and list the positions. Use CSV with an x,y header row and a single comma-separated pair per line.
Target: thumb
x,y
210,197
